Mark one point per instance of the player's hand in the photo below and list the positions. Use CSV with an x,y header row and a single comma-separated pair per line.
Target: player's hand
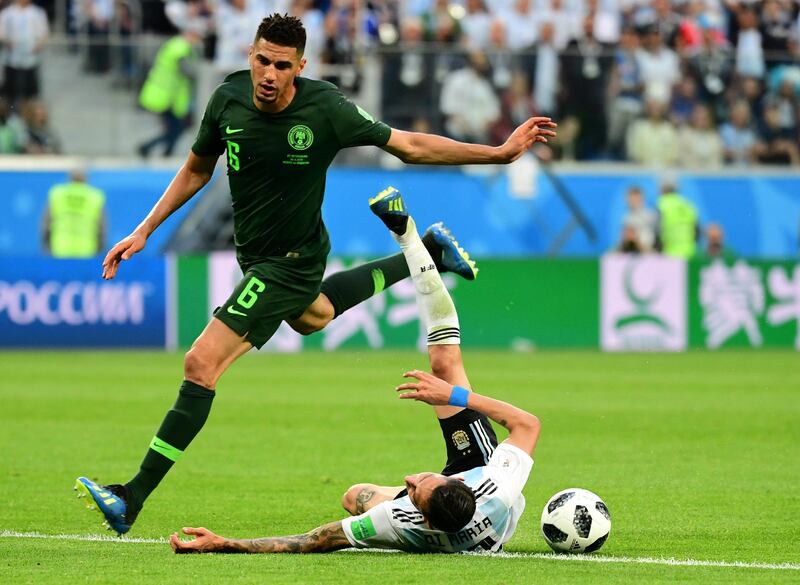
x,y
123,250
204,541
428,389
536,129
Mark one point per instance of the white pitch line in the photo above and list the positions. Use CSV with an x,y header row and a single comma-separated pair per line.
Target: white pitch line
x,y
671,562
83,537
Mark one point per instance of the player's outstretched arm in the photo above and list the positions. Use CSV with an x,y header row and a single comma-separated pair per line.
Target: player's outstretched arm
x,y
431,149
326,538
191,177
523,427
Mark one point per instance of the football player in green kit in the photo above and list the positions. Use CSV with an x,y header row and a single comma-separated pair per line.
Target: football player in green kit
x,y
279,132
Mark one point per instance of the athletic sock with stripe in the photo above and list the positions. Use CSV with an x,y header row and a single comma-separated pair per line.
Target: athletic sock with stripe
x,y
182,423
435,305
348,288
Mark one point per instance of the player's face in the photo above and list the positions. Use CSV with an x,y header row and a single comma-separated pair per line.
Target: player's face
x,y
273,69
421,485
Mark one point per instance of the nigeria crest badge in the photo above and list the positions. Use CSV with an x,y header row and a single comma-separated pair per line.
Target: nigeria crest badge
x,y
300,137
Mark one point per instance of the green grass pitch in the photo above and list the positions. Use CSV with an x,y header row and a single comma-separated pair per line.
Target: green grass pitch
x,y
697,456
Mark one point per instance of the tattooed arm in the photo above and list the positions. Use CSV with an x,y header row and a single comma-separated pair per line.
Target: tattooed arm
x,y
326,538
362,497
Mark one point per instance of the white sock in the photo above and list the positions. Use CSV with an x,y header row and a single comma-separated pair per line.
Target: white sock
x,y
436,308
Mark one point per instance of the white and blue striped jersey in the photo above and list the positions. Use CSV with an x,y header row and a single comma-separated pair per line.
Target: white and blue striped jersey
x,y
397,524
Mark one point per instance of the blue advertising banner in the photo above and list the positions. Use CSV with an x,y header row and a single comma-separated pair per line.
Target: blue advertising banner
x,y
46,302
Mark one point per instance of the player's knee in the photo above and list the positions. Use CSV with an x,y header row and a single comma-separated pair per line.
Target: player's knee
x,y
315,318
199,369
445,367
307,325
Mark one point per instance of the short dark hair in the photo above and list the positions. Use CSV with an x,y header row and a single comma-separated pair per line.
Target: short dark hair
x,y
283,30
451,506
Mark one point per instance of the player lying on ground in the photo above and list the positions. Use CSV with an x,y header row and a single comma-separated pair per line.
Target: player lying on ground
x,y
280,132
476,502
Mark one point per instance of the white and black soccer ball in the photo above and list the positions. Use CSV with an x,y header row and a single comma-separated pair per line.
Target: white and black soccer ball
x,y
575,521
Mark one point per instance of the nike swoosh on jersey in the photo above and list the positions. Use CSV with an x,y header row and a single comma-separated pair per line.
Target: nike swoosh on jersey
x,y
233,311
229,130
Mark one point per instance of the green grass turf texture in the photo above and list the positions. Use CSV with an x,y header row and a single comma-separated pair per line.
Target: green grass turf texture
x,y
697,456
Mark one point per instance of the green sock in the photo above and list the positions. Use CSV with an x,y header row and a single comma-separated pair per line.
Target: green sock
x,y
180,426
348,288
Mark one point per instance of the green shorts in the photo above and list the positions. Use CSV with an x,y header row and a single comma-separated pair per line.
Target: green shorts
x,y
271,292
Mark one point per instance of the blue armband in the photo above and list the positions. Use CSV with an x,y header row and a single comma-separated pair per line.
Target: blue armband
x,y
458,397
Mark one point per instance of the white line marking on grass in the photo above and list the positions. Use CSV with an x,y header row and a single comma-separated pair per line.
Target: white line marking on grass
x,y
83,537
671,562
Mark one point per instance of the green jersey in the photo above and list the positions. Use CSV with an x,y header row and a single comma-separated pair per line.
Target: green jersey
x,y
277,163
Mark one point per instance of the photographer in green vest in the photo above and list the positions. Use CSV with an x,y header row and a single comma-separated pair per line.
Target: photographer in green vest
x,y
169,88
679,229
74,224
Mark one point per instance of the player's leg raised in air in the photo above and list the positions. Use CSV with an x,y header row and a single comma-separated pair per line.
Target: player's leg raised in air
x,y
348,288
468,435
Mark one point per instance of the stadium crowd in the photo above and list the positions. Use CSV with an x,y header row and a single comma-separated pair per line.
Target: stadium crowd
x,y
692,84
689,83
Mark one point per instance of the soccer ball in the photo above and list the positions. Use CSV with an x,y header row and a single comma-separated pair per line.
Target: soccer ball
x,y
575,521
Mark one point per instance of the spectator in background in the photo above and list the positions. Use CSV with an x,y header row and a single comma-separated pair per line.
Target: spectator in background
x,y
10,142
339,47
500,58
469,102
584,78
659,66
23,34
407,93
314,23
667,21
641,221
476,26
233,23
629,242
786,102
678,227
439,24
41,139
169,87
607,20
684,100
95,17
566,23
699,143
749,49
710,64
624,92
751,90
695,19
546,71
776,32
779,144
715,244
653,140
521,26
180,13
74,224
738,139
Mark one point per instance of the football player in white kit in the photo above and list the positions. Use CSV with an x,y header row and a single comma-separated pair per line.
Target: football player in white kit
x,y
476,502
